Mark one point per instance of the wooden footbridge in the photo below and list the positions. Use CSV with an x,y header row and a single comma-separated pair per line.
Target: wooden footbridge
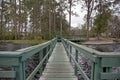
x,y
58,56
58,66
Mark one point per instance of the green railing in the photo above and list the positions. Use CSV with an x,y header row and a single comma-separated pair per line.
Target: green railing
x,y
102,62
16,60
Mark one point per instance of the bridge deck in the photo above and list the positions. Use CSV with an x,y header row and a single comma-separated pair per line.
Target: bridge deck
x,y
58,66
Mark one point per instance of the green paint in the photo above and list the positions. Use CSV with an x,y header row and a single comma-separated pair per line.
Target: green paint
x,y
76,58
100,61
16,59
40,59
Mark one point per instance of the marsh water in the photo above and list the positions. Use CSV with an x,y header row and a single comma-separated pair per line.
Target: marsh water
x,y
12,46
113,47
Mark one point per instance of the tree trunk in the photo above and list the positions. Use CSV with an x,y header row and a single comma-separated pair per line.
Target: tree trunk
x,y
19,19
98,36
25,36
70,5
15,20
1,28
49,9
88,19
89,4
60,19
88,23
54,17
61,23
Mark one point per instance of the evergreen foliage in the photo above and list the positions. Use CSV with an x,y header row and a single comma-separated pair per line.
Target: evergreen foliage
x,y
30,19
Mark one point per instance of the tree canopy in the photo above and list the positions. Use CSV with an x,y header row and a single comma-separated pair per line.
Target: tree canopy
x,y
31,19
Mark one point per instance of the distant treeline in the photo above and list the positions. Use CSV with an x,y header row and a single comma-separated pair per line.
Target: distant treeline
x,y
32,19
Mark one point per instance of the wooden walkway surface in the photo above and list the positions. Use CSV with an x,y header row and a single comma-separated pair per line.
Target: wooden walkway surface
x,y
58,66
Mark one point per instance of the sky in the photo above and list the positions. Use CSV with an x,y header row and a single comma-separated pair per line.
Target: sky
x,y
77,20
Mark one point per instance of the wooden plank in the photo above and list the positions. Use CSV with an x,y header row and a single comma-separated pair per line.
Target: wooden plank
x,y
110,62
59,75
110,75
58,78
58,70
9,61
7,74
59,63
59,66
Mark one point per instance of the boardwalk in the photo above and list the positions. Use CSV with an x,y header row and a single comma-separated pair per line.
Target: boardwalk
x,y
58,66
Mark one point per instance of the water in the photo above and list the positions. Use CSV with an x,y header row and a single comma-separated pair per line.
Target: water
x,y
114,47
12,46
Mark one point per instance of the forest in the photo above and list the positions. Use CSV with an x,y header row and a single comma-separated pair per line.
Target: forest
x,y
44,19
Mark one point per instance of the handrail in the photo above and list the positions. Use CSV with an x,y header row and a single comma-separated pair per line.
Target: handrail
x,y
16,59
79,68
38,67
26,51
90,53
102,62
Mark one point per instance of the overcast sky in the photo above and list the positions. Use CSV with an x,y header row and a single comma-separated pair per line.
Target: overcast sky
x,y
77,20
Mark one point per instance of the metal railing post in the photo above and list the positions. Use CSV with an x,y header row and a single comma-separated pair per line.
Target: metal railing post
x,y
97,69
68,49
70,52
40,59
51,47
47,49
76,58
92,70
20,70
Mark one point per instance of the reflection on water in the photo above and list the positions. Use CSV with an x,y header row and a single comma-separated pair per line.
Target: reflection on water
x,y
114,47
